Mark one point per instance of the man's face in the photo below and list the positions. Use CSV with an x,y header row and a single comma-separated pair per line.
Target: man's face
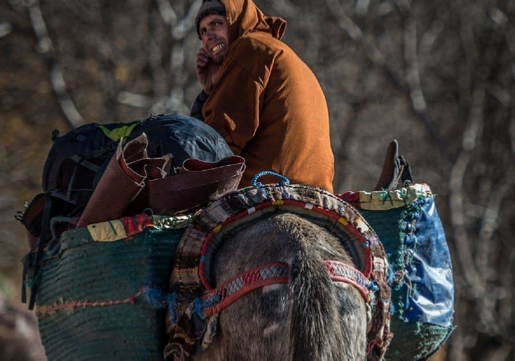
x,y
213,30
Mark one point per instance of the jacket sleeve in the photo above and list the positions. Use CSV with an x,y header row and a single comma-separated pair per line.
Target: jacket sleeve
x,y
233,108
196,108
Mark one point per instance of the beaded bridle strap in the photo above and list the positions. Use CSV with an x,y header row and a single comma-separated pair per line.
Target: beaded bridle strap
x,y
273,274
239,286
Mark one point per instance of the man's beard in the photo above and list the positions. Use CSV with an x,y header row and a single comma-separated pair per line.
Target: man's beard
x,y
218,61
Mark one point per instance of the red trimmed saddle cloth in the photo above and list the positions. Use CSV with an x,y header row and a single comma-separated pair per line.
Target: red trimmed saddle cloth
x,y
194,303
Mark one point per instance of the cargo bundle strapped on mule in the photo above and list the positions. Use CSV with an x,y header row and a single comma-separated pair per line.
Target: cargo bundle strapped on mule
x,y
116,200
136,285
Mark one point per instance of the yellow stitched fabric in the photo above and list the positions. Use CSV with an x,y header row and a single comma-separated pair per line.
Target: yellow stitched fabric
x,y
383,200
107,231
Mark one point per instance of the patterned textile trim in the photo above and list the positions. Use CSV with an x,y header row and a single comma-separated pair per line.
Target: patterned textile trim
x,y
129,226
239,286
210,244
340,272
277,273
384,200
191,275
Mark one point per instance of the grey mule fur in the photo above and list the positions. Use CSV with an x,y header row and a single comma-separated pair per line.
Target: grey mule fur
x,y
311,318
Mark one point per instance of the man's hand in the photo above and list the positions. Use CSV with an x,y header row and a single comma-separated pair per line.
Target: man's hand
x,y
208,72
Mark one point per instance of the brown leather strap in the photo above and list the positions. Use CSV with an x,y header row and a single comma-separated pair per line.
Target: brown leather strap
x,y
122,181
387,173
193,188
195,165
31,217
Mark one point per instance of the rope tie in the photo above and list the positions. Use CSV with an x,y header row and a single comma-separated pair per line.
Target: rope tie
x,y
255,183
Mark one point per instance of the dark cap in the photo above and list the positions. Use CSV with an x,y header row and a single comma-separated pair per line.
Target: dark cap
x,y
209,7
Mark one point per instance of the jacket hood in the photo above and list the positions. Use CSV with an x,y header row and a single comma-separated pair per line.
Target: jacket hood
x,y
244,16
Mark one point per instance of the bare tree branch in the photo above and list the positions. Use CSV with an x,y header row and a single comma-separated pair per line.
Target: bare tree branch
x,y
491,219
5,29
377,58
154,52
412,74
427,41
403,5
489,305
167,13
135,100
457,217
362,7
285,8
512,128
181,29
456,186
56,75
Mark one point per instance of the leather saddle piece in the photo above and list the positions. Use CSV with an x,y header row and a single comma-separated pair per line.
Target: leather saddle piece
x,y
395,169
196,183
123,180
133,183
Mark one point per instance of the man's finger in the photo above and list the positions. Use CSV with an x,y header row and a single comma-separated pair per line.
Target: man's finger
x,y
201,63
202,59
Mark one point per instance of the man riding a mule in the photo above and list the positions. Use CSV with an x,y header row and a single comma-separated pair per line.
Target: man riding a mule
x,y
260,96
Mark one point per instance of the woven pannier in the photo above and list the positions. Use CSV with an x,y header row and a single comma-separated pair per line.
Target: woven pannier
x,y
102,289
408,225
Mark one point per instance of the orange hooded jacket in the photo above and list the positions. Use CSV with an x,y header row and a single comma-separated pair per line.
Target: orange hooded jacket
x,y
268,105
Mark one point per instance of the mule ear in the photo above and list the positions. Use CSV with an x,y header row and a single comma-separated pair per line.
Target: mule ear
x,y
395,168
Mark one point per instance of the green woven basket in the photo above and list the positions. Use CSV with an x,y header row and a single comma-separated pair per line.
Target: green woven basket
x,y
101,296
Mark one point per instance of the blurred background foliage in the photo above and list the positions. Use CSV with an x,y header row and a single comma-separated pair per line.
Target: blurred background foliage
x,y
438,76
